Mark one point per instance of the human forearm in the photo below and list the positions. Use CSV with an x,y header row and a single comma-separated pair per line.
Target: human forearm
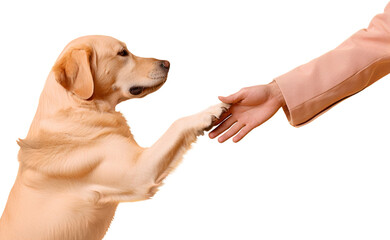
x,y
358,62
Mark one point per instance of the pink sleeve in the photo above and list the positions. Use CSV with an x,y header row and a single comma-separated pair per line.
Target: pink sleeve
x,y
358,62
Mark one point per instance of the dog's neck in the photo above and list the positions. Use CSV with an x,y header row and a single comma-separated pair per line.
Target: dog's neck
x,y
55,98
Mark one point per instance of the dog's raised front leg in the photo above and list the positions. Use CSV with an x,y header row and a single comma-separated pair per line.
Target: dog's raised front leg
x,y
167,152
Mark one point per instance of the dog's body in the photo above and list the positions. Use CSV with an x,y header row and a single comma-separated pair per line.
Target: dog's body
x,y
79,159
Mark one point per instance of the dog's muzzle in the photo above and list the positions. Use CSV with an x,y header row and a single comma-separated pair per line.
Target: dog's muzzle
x,y
161,72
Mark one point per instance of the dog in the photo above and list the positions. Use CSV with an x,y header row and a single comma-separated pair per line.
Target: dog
x,y
79,159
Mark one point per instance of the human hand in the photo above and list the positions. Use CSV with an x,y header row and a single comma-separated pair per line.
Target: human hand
x,y
250,107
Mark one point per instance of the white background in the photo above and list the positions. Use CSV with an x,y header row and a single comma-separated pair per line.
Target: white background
x,y
327,180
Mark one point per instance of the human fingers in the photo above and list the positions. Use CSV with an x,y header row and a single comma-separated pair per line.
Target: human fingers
x,y
232,131
243,132
222,127
259,120
233,98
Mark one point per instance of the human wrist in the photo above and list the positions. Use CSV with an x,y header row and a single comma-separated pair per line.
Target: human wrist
x,y
276,94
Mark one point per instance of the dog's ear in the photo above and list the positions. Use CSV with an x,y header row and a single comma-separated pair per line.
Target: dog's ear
x,y
73,72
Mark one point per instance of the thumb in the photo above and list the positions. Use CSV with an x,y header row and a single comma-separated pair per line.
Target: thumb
x,y
234,98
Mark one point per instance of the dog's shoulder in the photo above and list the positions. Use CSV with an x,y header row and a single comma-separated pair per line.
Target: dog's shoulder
x,y
69,144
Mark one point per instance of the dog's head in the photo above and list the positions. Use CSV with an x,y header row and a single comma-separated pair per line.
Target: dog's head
x,y
101,67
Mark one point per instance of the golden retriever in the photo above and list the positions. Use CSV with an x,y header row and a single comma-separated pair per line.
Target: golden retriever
x,y
79,159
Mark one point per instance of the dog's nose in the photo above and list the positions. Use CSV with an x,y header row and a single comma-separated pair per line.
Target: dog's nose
x,y
165,64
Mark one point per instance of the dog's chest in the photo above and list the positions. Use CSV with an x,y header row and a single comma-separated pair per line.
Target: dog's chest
x,y
86,223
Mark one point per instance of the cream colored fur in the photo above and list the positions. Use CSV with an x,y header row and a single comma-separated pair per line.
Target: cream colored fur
x,y
79,159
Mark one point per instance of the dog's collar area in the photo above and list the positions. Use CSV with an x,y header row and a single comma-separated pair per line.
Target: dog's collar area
x,y
137,90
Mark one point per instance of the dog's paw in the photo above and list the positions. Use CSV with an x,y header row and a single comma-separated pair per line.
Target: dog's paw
x,y
209,116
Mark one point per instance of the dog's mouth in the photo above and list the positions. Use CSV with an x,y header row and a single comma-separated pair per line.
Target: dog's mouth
x,y
138,90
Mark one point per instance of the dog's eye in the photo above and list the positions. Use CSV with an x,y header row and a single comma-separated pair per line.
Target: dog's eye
x,y
123,53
